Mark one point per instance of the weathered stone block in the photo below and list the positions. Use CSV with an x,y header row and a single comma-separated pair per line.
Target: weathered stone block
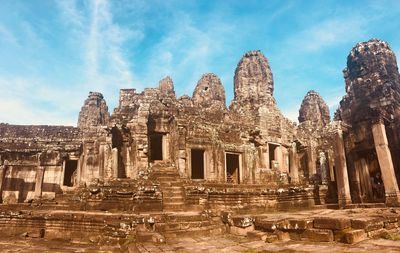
x,y
282,236
296,224
332,223
242,221
267,225
319,235
240,231
368,224
255,234
390,225
354,236
272,238
380,233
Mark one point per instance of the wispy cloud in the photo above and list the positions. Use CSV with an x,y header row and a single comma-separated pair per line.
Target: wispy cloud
x,y
103,46
186,48
22,98
331,32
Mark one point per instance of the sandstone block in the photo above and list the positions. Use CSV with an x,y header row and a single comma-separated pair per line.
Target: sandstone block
x,y
256,235
319,235
368,224
267,225
380,233
240,231
332,223
272,238
390,225
354,236
282,236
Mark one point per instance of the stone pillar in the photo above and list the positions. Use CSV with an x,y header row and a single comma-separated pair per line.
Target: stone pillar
x,y
165,147
365,180
392,195
294,170
312,170
279,158
101,159
355,181
342,178
266,157
3,170
39,181
114,165
331,160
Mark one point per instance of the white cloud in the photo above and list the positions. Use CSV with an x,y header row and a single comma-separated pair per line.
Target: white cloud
x,y
30,101
291,114
186,48
331,32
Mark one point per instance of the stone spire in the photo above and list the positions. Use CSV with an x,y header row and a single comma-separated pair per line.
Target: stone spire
x,y
209,89
94,112
166,86
372,83
253,78
314,109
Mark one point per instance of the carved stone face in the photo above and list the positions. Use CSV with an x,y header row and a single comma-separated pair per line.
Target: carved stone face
x,y
208,90
253,78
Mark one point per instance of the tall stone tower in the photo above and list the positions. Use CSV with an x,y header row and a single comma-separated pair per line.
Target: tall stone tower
x,y
94,112
209,90
314,110
253,79
372,83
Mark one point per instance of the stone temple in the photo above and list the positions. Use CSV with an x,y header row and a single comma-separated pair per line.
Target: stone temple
x,y
161,166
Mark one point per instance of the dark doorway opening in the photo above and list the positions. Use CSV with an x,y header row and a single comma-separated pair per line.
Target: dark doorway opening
x,y
272,156
197,161
156,152
70,172
118,143
232,168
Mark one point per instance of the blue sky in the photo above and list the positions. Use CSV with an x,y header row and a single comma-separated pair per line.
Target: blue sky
x,y
52,53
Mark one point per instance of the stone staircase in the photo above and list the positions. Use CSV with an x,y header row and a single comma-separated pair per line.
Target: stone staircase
x,y
171,186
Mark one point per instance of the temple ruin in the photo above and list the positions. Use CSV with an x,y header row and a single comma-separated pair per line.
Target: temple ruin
x,y
156,156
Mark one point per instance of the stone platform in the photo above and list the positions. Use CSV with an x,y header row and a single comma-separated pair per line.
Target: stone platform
x,y
223,243
316,230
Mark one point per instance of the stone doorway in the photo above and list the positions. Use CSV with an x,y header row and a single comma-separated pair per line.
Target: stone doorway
x,y
70,172
197,161
156,147
232,168
273,157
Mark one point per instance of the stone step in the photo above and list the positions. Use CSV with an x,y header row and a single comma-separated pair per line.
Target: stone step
x,y
173,202
177,202
199,231
174,206
172,190
146,236
170,195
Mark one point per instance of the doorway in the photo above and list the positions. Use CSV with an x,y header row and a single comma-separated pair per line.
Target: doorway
x,y
197,161
156,147
272,148
232,168
70,172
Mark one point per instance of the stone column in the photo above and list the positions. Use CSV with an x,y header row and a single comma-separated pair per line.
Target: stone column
x,y
331,165
392,195
3,170
294,170
312,170
365,179
39,181
114,165
279,158
342,178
